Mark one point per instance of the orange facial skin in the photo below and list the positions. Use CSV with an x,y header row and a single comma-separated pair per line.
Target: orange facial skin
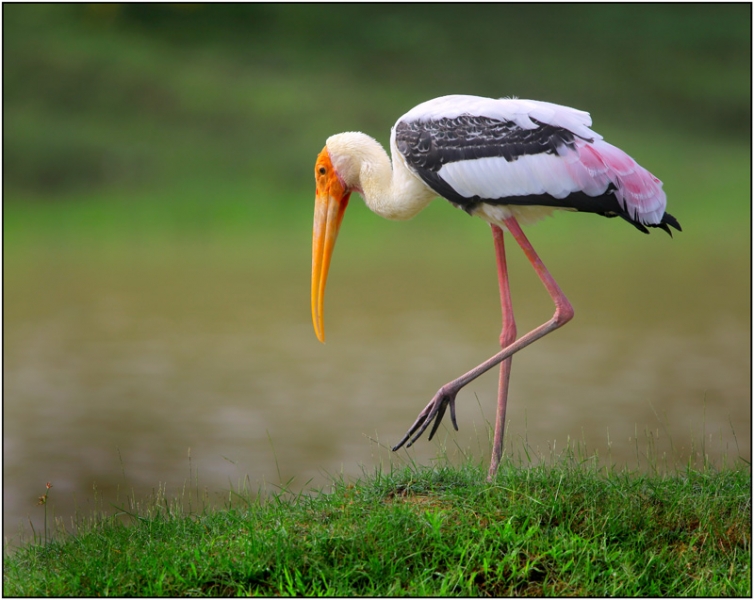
x,y
329,207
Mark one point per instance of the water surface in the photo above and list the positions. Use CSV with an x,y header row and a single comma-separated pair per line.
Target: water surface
x,y
119,365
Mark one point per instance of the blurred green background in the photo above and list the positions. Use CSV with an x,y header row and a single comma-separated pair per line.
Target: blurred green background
x,y
137,119
158,198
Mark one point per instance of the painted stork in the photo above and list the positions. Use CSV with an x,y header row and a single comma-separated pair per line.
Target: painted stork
x,y
508,161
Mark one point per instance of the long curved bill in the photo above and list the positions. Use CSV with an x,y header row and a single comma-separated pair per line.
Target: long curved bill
x,y
329,207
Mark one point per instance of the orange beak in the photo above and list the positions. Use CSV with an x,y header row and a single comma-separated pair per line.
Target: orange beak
x,y
329,207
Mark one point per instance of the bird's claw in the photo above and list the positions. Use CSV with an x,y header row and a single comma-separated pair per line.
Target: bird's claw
x,y
435,410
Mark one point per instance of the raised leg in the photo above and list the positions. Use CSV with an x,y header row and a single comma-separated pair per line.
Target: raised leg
x,y
507,337
446,395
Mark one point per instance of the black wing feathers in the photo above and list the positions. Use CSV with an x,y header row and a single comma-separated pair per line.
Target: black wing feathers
x,y
431,144
428,145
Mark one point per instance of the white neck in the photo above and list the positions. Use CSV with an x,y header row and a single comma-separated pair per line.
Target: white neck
x,y
391,191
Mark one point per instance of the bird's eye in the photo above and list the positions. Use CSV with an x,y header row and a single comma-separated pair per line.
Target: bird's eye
x,y
322,170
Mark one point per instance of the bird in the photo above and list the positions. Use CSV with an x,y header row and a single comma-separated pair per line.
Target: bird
x,y
510,162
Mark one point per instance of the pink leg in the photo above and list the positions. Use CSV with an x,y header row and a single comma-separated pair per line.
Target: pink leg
x,y
446,395
507,337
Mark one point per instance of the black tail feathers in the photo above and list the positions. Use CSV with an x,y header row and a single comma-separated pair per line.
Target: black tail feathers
x,y
667,219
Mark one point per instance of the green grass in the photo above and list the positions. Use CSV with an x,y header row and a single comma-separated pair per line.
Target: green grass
x,y
567,528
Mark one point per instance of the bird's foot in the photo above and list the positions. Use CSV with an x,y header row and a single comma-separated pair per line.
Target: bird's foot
x,y
434,410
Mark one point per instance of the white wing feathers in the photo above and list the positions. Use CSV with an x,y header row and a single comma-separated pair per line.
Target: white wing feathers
x,y
521,112
590,165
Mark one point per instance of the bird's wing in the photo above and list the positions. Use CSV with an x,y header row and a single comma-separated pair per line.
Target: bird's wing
x,y
524,113
471,150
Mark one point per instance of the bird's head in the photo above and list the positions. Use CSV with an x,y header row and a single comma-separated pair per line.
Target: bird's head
x,y
330,205
345,161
